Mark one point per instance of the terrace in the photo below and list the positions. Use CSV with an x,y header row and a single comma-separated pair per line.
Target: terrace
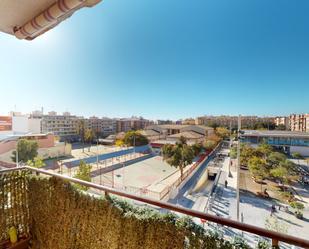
x,y
48,212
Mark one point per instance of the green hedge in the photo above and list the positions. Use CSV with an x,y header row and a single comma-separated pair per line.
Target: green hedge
x,y
60,216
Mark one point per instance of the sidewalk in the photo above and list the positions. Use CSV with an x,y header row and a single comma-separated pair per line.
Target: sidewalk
x,y
253,210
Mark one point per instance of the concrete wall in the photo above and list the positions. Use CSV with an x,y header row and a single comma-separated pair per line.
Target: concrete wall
x,y
34,125
20,124
59,150
46,142
304,151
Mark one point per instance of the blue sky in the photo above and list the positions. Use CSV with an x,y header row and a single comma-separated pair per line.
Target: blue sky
x,y
164,59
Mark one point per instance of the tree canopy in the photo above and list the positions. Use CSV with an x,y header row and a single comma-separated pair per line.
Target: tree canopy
x,y
264,162
37,162
83,173
257,167
135,138
179,155
222,132
27,150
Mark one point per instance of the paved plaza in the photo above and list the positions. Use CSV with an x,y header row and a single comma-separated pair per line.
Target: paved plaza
x,y
253,210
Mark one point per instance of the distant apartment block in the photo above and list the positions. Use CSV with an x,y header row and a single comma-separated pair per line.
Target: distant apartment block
x,y
283,121
299,122
134,123
64,126
163,122
189,121
227,121
102,126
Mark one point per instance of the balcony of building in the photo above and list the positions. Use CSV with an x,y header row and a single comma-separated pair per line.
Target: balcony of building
x,y
48,212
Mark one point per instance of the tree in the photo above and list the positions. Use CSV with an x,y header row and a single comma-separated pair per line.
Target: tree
x,y
179,155
27,150
209,144
297,155
275,159
257,167
135,138
246,153
83,173
37,162
89,136
197,148
265,149
281,127
280,173
119,143
222,132
81,129
233,153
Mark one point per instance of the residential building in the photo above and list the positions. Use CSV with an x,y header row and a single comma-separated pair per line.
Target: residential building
x,y
162,122
64,126
103,126
288,141
134,123
18,123
189,121
283,121
232,121
299,122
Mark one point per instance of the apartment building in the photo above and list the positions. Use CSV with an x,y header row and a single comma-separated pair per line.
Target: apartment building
x,y
103,126
189,121
299,122
64,126
134,123
227,121
283,121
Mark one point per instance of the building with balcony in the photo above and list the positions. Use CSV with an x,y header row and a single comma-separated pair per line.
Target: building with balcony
x,y
134,123
299,122
102,126
232,121
283,121
64,126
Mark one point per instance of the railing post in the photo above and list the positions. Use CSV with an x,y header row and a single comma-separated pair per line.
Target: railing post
x,y
275,243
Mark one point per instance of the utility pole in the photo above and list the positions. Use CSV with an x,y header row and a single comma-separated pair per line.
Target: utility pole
x,y
238,164
230,146
17,154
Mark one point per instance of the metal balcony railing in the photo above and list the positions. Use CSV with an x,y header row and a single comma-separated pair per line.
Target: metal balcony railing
x,y
274,236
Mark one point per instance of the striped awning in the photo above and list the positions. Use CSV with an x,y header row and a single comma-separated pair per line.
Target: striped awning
x,y
41,20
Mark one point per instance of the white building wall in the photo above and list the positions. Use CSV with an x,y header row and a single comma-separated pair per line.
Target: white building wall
x,y
304,151
34,125
20,124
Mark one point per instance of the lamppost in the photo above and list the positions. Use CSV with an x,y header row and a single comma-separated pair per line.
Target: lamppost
x,y
238,164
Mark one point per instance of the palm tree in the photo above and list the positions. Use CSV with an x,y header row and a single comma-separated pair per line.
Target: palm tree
x,y
179,155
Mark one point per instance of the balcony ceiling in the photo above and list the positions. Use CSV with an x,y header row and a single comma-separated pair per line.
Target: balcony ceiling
x,y
16,13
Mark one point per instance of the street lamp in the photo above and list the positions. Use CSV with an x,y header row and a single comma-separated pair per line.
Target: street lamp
x,y
238,164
